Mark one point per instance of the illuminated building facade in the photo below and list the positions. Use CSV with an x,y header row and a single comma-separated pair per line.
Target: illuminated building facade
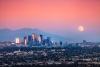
x,y
17,40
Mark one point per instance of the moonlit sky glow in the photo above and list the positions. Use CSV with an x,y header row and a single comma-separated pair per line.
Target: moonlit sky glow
x,y
55,16
81,28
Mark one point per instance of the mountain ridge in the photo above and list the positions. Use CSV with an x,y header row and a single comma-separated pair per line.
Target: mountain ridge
x,y
10,35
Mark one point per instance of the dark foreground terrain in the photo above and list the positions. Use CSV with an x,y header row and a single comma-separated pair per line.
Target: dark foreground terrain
x,y
62,65
50,57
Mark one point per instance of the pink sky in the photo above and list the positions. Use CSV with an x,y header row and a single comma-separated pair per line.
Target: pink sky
x,y
50,15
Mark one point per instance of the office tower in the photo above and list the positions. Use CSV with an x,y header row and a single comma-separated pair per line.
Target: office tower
x,y
30,38
40,38
25,40
48,41
36,38
30,41
17,41
33,40
33,36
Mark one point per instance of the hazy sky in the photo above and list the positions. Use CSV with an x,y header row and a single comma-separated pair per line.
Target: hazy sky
x,y
58,16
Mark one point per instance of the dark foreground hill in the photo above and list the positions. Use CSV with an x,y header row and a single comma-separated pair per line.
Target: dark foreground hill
x,y
69,65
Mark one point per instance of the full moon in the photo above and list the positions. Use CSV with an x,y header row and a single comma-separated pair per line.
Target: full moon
x,y
81,28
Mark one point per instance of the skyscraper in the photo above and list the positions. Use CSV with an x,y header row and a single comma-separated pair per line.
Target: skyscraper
x,y
17,40
40,38
30,40
25,41
48,41
33,36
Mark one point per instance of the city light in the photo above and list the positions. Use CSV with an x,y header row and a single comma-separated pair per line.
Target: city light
x,y
17,40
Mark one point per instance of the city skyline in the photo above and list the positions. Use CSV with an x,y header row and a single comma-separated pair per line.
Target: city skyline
x,y
61,17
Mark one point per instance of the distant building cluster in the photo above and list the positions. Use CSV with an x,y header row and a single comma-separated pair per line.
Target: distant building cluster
x,y
36,40
39,40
